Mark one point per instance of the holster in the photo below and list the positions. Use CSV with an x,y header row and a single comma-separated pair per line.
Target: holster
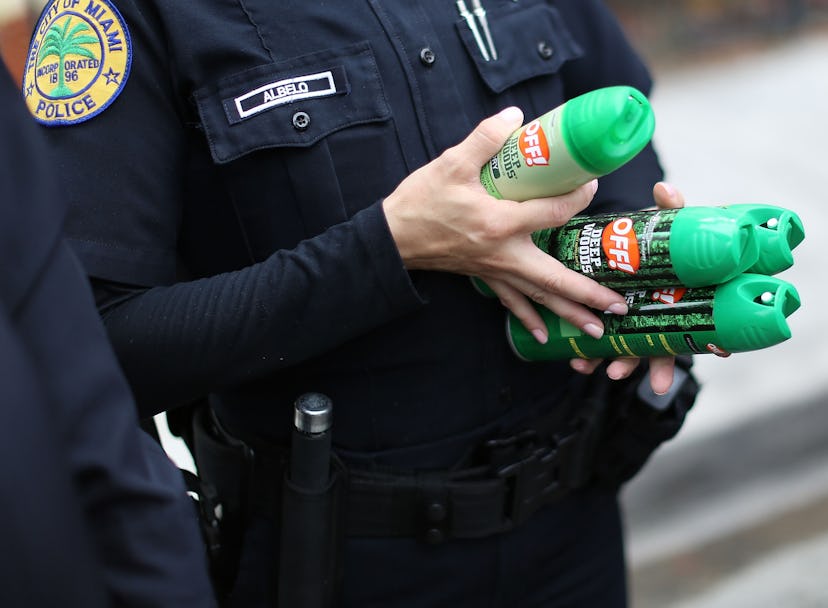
x,y
230,465
634,427
251,478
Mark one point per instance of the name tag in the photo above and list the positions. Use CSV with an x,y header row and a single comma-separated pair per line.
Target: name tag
x,y
289,90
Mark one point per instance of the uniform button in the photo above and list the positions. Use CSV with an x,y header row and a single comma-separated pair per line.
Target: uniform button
x,y
427,56
436,512
434,536
301,121
545,49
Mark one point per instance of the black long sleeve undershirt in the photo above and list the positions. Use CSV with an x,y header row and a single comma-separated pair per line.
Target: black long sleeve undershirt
x,y
180,342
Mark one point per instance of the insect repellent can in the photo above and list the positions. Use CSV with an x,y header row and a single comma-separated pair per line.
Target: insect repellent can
x,y
746,313
583,138
579,140
778,232
691,246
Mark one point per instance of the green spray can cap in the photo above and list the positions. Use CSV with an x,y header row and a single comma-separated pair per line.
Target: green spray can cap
x,y
778,232
750,312
607,127
710,245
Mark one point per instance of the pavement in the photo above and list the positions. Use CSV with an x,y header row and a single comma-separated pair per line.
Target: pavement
x,y
734,511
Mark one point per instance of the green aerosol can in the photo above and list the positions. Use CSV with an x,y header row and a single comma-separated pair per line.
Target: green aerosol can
x,y
747,313
691,246
584,138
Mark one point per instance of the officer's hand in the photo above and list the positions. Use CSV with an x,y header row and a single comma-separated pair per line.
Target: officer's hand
x,y
442,218
661,368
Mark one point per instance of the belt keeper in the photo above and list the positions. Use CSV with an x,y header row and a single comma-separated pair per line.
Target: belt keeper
x,y
436,510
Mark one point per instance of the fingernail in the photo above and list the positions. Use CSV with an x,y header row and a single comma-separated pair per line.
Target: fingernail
x,y
671,192
579,365
540,336
594,185
512,114
616,375
617,308
593,330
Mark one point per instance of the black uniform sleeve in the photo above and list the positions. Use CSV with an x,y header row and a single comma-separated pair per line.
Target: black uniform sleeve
x,y
203,335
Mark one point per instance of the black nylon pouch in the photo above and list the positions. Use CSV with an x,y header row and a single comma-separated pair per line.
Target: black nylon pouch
x,y
637,424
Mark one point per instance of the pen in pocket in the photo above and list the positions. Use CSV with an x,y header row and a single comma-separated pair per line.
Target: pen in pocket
x,y
465,14
480,13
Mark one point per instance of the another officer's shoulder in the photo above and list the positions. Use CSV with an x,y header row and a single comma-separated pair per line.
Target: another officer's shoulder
x,y
31,212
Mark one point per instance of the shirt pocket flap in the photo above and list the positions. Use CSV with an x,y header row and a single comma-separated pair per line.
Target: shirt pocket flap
x,y
292,103
530,42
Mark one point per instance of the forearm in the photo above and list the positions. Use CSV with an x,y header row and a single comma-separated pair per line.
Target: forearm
x,y
181,342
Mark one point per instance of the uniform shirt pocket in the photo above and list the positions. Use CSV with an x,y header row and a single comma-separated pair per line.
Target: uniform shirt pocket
x,y
531,41
292,103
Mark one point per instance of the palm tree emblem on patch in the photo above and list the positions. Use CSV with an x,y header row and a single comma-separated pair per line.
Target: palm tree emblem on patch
x,y
78,61
64,41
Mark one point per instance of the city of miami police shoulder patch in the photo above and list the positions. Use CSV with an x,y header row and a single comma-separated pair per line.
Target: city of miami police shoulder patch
x,y
78,61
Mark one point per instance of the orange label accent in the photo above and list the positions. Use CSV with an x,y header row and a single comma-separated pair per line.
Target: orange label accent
x,y
620,246
533,145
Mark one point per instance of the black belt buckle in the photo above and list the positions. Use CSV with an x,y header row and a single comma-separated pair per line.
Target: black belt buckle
x,y
537,477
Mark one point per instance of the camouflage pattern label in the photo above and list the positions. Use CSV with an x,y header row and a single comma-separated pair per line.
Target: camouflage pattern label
x,y
615,250
666,321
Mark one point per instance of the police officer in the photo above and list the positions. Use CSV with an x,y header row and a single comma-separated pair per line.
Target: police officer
x,y
280,197
93,512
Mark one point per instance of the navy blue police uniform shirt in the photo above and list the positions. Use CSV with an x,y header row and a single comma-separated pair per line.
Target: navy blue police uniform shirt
x,y
93,508
232,134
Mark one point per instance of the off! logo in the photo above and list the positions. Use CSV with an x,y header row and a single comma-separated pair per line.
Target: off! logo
x,y
620,246
533,145
718,351
669,295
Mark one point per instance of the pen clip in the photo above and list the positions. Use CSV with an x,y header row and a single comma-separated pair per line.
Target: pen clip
x,y
465,14
480,13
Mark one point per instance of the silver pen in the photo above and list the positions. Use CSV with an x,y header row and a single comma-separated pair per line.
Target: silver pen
x,y
480,13
465,14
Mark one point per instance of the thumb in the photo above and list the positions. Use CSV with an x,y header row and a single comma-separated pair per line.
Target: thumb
x,y
490,135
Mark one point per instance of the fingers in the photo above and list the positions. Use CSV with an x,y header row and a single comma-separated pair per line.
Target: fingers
x,y
661,374
617,370
522,307
487,138
622,368
661,370
548,282
585,366
667,197
540,213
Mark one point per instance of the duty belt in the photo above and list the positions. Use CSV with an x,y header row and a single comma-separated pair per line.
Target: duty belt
x,y
507,480
523,473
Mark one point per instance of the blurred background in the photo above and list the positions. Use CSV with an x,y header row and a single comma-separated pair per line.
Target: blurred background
x,y
734,511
